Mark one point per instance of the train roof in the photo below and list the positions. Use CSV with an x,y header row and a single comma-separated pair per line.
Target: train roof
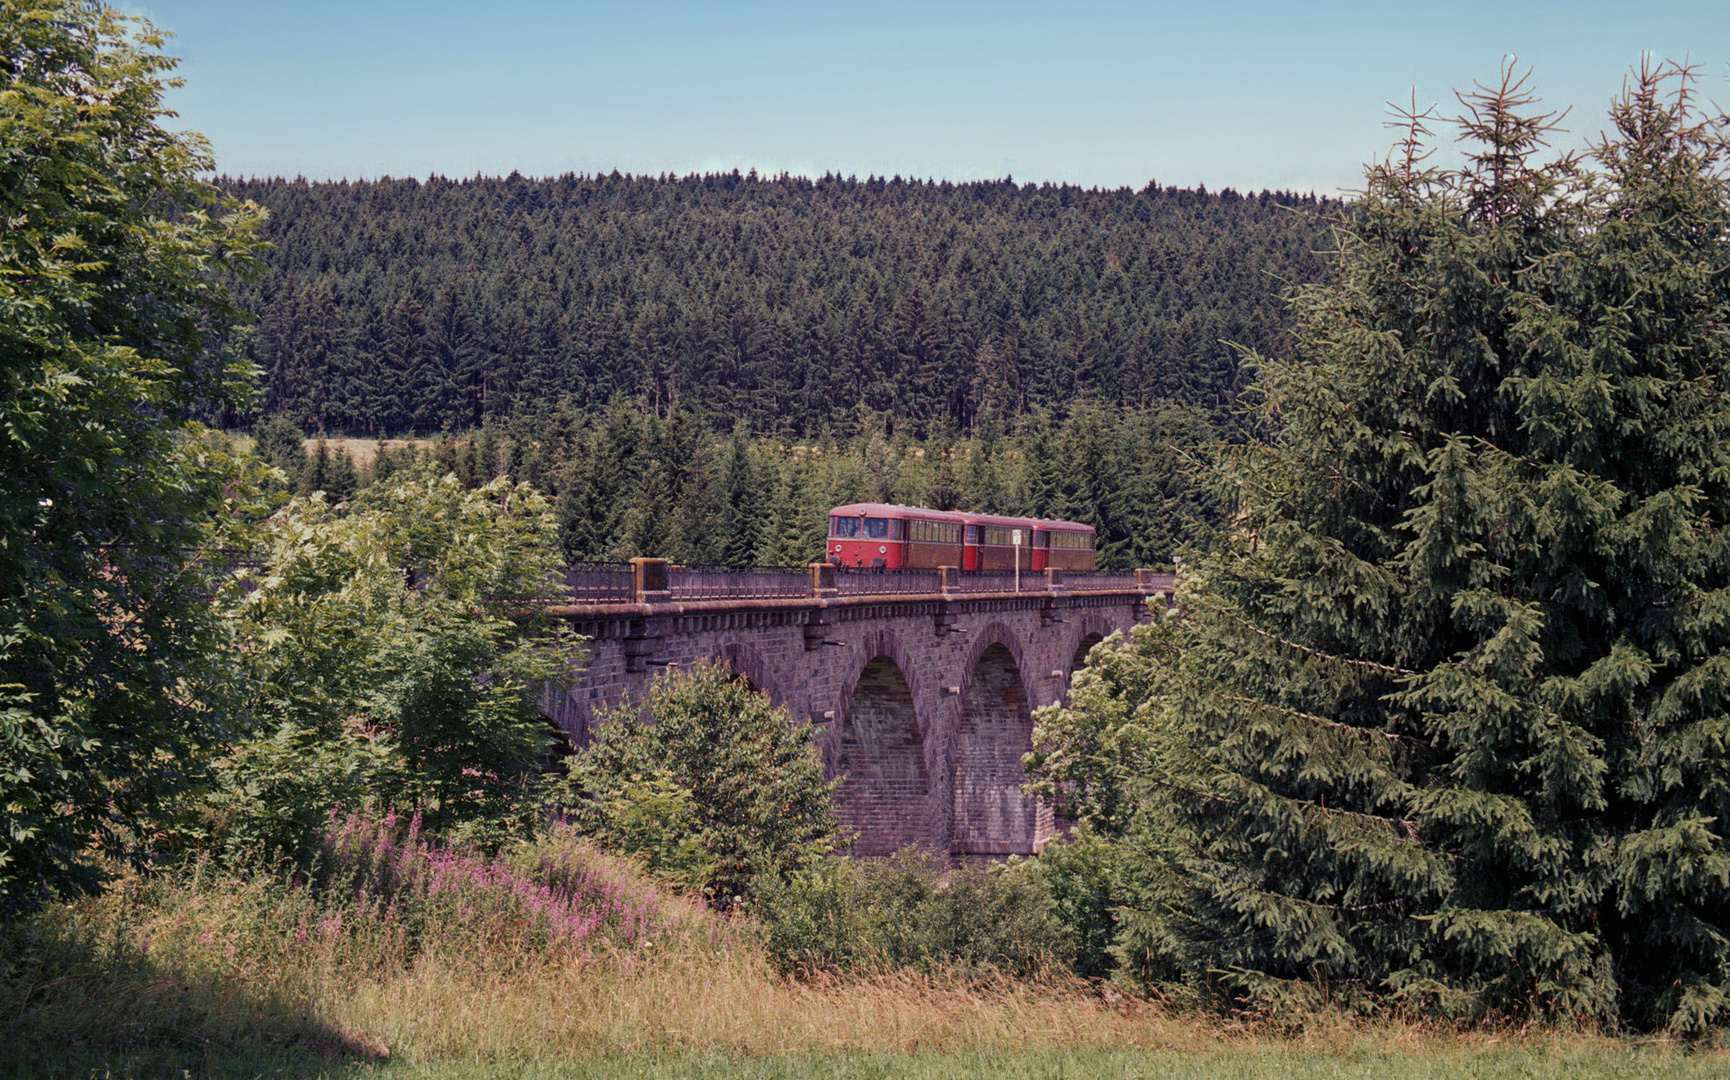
x,y
959,516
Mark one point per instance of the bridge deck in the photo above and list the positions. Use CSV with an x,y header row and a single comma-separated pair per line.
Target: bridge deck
x,y
628,609
611,585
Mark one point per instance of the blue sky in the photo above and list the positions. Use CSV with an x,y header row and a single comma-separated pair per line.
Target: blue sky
x,y
1248,95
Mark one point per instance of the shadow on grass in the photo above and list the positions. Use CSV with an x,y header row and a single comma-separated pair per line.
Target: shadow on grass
x,y
75,1006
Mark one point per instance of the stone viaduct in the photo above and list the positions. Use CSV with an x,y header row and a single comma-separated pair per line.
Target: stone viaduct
x,y
920,683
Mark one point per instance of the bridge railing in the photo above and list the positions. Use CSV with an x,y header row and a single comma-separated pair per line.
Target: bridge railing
x,y
1083,580
887,582
722,583
600,583
999,581
608,583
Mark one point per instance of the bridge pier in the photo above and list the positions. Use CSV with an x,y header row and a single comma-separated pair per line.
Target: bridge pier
x,y
922,699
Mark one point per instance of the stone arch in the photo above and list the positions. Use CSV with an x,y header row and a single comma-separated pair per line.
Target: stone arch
x,y
1078,659
1093,631
885,793
991,814
745,661
989,635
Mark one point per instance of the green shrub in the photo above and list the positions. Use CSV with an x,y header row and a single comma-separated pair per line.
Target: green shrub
x,y
912,910
742,781
1085,877
391,652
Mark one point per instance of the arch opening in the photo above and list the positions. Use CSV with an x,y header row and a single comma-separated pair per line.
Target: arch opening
x,y
992,816
1082,648
885,789
744,662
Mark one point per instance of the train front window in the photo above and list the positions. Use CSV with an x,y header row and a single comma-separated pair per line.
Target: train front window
x,y
875,528
844,527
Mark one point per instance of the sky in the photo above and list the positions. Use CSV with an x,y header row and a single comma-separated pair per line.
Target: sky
x,y
1289,96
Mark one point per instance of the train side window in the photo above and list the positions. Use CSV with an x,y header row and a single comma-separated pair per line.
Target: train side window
x,y
897,529
933,532
845,527
1081,541
875,528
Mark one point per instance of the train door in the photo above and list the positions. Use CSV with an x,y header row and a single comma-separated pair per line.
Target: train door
x,y
970,549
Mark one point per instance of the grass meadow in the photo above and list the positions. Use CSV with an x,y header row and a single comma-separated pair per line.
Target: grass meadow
x,y
397,958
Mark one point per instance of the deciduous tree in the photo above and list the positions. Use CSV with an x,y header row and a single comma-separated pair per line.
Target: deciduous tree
x,y
115,329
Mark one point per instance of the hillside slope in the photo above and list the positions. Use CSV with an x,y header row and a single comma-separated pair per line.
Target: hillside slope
x,y
397,306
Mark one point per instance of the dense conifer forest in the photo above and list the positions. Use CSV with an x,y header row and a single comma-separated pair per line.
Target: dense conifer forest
x,y
792,305
625,482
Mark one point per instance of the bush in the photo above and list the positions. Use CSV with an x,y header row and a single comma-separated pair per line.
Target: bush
x,y
709,785
392,653
912,911
1086,878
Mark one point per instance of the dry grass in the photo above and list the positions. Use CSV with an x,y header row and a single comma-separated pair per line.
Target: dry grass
x,y
730,1003
364,450
226,966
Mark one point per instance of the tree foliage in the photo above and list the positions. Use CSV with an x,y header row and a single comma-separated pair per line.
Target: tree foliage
x,y
1445,711
629,483
115,327
392,651
788,304
709,753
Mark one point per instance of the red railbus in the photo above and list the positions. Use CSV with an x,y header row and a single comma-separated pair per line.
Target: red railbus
x,y
883,536
1066,545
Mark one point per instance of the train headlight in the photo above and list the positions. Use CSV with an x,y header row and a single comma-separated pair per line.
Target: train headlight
x,y
882,550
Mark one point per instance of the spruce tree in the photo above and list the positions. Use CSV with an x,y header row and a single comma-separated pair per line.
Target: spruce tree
x,y
277,441
740,520
344,477
1450,692
316,474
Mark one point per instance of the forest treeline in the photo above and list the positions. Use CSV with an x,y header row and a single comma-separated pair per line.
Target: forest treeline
x,y
626,482
790,304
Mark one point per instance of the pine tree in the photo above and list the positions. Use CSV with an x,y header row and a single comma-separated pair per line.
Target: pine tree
x,y
280,443
741,519
315,476
1445,708
942,489
344,477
